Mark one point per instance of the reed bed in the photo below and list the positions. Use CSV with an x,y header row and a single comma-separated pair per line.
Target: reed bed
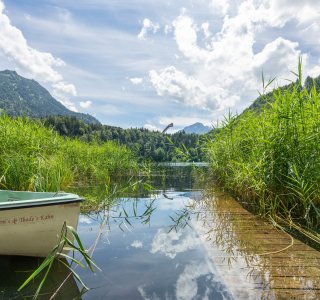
x,y
270,159
36,158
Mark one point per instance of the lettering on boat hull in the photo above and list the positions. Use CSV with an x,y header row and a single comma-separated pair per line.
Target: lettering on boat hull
x,y
26,219
35,231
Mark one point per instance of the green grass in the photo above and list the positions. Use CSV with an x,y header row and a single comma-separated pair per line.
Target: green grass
x,y
36,158
271,159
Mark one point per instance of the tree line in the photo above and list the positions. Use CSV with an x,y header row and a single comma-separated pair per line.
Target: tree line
x,y
148,145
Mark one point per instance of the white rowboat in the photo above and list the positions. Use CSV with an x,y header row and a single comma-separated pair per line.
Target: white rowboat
x,y
31,222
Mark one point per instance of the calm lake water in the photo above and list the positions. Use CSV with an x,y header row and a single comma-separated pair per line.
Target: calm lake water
x,y
180,243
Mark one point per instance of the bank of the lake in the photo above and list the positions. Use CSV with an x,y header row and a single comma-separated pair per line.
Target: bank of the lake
x,y
270,158
36,158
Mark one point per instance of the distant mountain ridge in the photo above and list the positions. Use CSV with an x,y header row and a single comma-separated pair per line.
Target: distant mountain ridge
x,y
197,128
20,96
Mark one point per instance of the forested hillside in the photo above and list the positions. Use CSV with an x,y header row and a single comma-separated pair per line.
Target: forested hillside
x,y
25,97
147,144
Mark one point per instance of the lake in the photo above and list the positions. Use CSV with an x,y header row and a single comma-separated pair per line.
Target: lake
x,y
180,242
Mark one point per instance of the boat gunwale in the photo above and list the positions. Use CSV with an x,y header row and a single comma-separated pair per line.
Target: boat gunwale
x,y
61,198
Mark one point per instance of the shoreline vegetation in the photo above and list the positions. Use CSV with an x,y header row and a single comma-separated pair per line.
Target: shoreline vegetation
x,y
148,145
36,158
269,159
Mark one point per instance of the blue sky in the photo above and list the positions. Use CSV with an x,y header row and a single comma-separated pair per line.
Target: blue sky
x,y
142,63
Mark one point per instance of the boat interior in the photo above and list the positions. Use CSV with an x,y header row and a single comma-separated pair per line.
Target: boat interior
x,y
8,196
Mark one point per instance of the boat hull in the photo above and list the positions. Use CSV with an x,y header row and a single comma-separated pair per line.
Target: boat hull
x,y
35,231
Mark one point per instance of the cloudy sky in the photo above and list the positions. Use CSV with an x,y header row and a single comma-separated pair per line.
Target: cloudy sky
x,y
135,63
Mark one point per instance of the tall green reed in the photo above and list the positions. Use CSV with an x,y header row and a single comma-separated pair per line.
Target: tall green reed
x,y
33,157
271,158
69,242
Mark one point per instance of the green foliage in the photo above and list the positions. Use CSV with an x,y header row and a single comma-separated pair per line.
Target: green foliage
x,y
24,97
148,145
271,159
33,157
66,244
265,99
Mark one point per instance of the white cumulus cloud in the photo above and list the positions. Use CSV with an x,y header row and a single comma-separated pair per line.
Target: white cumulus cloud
x,y
205,29
151,127
220,6
136,80
222,68
85,104
187,285
279,12
65,88
185,31
167,29
278,58
147,26
172,243
189,90
137,244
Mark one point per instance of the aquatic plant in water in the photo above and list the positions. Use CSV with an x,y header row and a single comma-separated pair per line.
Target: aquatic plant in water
x,y
69,241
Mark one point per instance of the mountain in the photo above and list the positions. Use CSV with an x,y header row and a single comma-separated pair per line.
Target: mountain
x,y
20,96
197,128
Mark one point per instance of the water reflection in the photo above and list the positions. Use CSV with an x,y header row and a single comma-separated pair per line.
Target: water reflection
x,y
177,177
256,260
146,261
15,270
198,246
185,243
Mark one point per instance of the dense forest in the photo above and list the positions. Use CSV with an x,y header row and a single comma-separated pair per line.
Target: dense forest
x,y
148,145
